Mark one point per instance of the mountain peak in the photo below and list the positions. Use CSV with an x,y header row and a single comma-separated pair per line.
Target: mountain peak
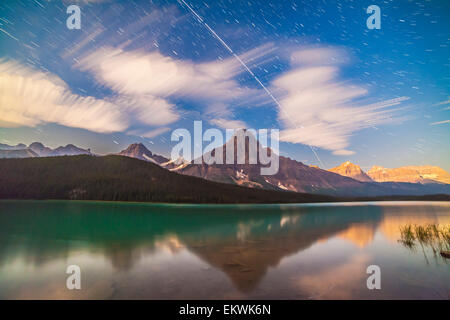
x,y
139,151
136,150
40,149
137,146
69,150
351,170
347,164
36,144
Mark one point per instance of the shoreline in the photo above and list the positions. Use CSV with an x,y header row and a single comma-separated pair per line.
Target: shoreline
x,y
217,205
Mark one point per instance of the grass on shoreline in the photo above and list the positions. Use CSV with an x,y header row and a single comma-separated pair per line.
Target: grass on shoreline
x,y
431,236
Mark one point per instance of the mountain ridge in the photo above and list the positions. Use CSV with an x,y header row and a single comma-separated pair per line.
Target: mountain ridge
x,y
291,176
351,170
118,178
342,181
298,177
414,174
141,152
37,149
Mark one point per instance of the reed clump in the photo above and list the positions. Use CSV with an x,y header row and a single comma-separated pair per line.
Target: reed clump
x,y
433,236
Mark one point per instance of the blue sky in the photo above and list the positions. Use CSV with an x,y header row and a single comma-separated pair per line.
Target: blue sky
x,y
137,70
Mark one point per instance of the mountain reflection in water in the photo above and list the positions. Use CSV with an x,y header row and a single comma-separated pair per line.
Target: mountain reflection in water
x,y
130,250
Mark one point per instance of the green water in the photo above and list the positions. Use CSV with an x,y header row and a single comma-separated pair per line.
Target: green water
x,y
157,251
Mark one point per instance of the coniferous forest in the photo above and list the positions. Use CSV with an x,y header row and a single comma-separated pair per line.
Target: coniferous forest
x,y
118,178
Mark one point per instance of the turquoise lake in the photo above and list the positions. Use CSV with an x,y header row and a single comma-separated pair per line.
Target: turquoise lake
x,y
162,251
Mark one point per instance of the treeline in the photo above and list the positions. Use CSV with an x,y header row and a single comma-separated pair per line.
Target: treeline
x,y
119,178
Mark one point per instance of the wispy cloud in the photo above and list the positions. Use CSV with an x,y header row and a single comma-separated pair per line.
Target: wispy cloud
x,y
321,110
31,97
317,107
104,33
148,109
149,134
229,124
86,1
141,72
439,122
343,152
442,103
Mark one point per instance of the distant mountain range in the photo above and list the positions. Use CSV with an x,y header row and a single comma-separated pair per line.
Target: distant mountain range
x,y
409,174
291,176
37,149
346,180
16,147
295,176
413,174
118,178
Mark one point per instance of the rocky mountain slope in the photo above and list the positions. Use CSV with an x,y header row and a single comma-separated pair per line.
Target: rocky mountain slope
x,y
351,170
296,176
346,180
412,174
292,175
139,151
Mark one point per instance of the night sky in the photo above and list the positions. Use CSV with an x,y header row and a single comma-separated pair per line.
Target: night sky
x,y
137,70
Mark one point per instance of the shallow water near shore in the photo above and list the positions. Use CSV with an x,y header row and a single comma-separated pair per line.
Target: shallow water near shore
x,y
163,251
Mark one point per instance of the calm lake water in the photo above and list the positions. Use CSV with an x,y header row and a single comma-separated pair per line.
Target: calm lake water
x,y
158,251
